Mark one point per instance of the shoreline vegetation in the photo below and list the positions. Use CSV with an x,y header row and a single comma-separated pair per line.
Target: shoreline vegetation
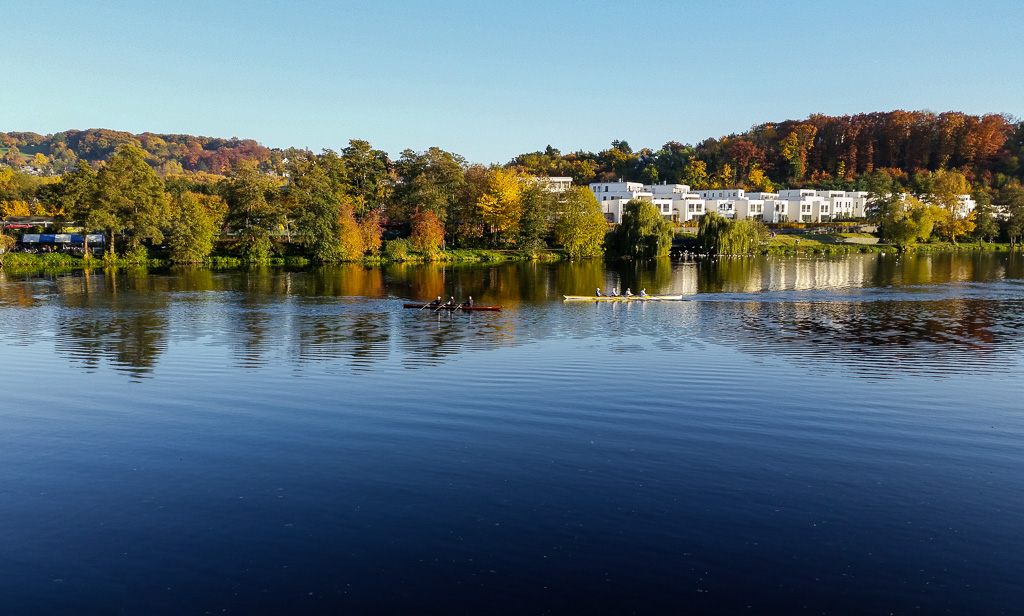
x,y
179,199
810,245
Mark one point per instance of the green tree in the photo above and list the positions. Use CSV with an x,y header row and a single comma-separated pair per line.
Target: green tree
x,y
130,190
581,227
319,212
192,231
1013,202
465,226
367,175
77,196
905,220
255,210
644,232
986,226
535,220
713,228
432,181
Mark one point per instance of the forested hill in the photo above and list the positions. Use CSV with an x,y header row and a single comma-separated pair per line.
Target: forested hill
x,y
823,151
820,151
168,154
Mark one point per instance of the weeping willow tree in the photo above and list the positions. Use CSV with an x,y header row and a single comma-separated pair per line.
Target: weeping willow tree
x,y
720,236
644,233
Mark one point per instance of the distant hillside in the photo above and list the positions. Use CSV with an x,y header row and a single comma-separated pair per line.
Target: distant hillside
x,y
167,153
824,151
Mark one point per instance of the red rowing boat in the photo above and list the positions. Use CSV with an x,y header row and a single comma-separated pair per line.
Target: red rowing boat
x,y
447,307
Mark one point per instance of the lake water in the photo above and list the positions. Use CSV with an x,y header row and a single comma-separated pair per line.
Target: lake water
x,y
796,436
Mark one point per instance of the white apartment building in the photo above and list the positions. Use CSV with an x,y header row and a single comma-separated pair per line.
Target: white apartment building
x,y
613,208
554,184
796,193
730,193
689,208
614,196
777,210
670,191
674,201
724,207
965,205
606,191
679,204
751,208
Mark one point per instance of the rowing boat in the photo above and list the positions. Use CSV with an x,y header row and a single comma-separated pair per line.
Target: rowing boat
x,y
621,298
447,307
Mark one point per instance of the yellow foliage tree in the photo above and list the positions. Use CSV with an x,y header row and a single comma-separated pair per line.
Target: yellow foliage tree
x,y
15,208
696,174
795,147
350,237
371,231
427,233
726,177
946,193
6,178
758,179
501,205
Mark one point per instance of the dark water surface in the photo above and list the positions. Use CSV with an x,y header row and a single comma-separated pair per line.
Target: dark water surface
x,y
796,436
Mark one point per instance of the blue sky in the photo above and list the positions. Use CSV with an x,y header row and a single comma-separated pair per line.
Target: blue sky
x,y
490,80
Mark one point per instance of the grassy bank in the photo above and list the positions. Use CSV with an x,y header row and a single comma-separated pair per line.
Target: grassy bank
x,y
822,244
60,261
835,244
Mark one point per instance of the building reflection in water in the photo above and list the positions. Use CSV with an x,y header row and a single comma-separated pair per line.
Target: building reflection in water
x,y
862,311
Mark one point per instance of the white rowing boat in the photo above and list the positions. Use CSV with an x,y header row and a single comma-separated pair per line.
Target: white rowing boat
x,y
620,298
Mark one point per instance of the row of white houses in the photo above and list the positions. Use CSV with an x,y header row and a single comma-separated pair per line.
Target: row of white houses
x,y
680,204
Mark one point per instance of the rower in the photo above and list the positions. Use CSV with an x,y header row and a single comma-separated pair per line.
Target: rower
x,y
615,293
451,301
598,291
643,292
436,302
469,302
628,293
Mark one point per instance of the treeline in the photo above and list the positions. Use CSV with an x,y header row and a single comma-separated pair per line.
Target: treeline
x,y
828,152
825,152
167,154
345,205
328,207
932,211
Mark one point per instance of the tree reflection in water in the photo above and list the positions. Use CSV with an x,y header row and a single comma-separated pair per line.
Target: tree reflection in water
x,y
870,313
119,316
